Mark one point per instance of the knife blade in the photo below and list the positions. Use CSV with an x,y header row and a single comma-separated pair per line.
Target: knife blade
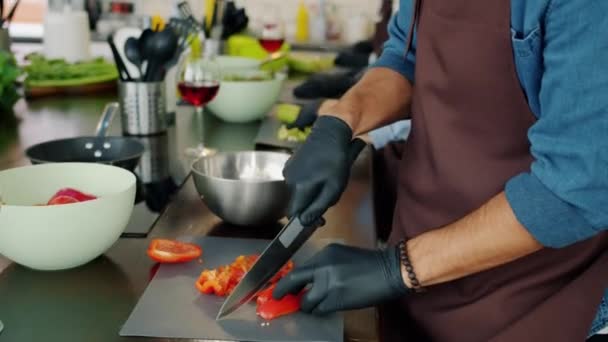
x,y
277,253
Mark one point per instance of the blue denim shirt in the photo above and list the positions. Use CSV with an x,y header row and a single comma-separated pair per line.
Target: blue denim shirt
x,y
561,55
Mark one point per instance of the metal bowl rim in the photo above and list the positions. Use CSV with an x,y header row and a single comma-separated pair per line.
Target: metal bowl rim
x,y
226,180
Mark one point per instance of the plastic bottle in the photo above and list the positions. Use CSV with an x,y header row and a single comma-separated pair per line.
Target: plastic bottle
x,y
318,23
302,23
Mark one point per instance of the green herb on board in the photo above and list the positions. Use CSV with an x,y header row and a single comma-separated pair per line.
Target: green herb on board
x,y
43,72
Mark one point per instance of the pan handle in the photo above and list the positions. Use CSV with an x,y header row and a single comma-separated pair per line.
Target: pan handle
x,y
106,119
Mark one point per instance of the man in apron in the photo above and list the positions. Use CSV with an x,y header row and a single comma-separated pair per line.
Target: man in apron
x,y
502,188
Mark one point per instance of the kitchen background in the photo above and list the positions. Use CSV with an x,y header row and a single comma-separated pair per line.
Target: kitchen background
x,y
57,87
29,17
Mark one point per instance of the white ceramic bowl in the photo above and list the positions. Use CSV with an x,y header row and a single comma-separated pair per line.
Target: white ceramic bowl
x,y
236,63
246,101
69,235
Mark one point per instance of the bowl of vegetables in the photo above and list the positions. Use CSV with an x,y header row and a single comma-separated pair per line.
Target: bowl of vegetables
x,y
62,215
246,96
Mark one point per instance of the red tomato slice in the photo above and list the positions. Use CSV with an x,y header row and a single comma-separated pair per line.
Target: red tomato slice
x,y
171,251
79,196
272,308
56,200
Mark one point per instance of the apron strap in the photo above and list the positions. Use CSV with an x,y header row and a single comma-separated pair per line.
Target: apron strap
x,y
413,25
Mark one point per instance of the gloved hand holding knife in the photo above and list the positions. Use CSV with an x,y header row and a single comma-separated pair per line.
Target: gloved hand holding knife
x,y
319,170
317,173
341,277
345,278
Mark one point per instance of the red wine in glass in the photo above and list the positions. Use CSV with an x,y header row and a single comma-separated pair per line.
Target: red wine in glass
x,y
198,93
271,44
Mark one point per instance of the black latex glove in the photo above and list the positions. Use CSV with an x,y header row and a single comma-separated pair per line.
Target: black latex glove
x,y
364,46
345,278
325,85
350,59
307,116
319,170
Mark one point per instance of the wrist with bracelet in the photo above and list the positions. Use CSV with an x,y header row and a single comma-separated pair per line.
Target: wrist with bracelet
x,y
404,258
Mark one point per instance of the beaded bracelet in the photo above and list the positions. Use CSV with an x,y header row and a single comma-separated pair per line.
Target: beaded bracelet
x,y
405,260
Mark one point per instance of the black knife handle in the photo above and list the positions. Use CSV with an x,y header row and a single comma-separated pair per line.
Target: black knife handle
x,y
295,234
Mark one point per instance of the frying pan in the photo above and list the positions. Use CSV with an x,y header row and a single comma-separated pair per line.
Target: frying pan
x,y
118,151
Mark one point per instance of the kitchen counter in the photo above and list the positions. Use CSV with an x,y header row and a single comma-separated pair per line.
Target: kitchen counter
x,y
90,303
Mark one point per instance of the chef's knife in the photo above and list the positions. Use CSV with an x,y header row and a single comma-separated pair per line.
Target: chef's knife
x,y
278,252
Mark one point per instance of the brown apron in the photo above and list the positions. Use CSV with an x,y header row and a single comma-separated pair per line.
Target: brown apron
x,y
469,136
385,171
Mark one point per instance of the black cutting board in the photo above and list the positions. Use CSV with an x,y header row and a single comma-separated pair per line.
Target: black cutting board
x,y
171,307
267,136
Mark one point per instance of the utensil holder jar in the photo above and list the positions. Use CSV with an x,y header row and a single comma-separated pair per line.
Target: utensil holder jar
x,y
5,40
143,109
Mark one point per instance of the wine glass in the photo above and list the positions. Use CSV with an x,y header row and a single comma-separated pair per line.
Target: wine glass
x,y
198,84
273,33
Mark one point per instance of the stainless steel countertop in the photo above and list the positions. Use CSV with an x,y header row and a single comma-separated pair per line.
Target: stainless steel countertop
x,y
90,303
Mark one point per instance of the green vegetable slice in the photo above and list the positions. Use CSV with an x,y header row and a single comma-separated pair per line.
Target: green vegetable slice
x,y
287,113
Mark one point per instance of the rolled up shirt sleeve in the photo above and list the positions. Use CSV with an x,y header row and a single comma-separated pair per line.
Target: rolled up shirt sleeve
x,y
397,131
564,198
393,54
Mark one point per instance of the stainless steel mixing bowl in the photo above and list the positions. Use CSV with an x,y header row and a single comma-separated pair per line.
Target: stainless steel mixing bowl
x,y
243,188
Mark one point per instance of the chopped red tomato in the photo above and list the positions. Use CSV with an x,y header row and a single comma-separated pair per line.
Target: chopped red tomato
x,y
57,200
270,308
171,251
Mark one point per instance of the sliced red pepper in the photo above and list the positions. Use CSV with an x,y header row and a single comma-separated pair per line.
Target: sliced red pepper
x,y
207,282
237,275
171,251
69,195
272,308
265,295
215,282
79,196
224,279
244,262
57,200
283,272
